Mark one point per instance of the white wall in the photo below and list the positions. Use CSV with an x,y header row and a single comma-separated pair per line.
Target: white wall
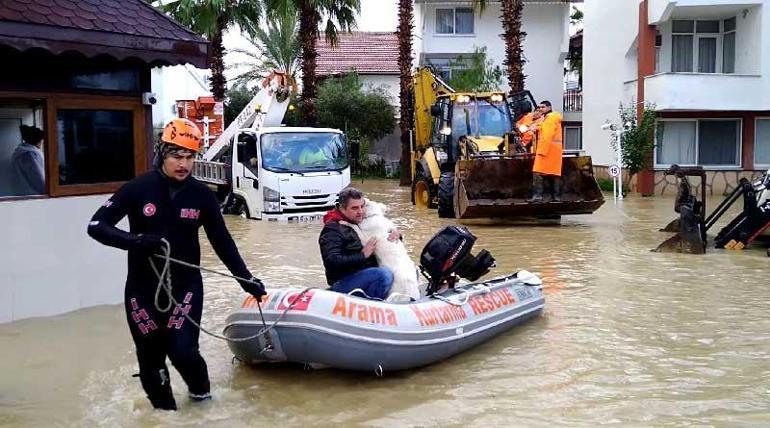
x,y
547,28
677,91
610,28
751,46
389,83
176,83
49,264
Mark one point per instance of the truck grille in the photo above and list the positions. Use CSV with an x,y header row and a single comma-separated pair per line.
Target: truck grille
x,y
307,203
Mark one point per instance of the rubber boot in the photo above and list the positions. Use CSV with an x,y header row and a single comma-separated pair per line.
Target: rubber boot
x,y
555,188
537,189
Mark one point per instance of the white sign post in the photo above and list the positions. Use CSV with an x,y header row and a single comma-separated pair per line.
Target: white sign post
x,y
617,179
616,171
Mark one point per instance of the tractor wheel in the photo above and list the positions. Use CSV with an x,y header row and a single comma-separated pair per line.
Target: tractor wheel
x,y
446,190
422,196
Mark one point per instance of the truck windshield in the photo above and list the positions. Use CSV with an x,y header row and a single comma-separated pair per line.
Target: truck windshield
x,y
492,119
303,151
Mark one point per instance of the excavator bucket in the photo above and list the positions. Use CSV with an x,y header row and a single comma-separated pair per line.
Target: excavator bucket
x,y
500,186
690,227
690,237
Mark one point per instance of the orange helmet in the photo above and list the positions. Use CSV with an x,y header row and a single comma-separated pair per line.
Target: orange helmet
x,y
182,133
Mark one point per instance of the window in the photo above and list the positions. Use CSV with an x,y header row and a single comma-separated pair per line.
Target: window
x,y
95,146
762,143
573,138
728,46
247,152
448,64
703,46
708,142
658,44
454,21
22,142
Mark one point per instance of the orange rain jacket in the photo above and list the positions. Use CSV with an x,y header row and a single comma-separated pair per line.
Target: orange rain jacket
x,y
526,137
549,146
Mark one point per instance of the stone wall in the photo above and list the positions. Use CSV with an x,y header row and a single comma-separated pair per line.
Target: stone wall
x,y
717,182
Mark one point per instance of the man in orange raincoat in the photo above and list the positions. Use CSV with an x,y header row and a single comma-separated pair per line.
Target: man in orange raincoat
x,y
527,127
548,153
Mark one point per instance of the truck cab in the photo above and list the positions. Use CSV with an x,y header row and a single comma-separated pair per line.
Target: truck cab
x,y
286,173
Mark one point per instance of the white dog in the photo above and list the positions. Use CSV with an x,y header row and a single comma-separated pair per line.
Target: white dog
x,y
391,255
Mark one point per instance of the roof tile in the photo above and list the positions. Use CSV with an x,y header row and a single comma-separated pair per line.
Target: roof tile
x,y
366,52
10,15
130,17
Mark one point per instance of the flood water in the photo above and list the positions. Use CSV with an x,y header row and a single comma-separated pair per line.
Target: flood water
x,y
629,338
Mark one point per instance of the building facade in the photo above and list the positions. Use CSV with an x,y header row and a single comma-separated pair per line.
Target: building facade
x,y
80,74
446,30
374,57
702,65
174,83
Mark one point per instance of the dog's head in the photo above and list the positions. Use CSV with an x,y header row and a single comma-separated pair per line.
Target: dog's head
x,y
374,209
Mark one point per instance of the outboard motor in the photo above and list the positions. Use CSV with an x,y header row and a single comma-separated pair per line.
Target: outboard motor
x,y
449,253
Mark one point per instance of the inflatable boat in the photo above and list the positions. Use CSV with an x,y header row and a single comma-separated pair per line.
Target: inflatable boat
x,y
322,328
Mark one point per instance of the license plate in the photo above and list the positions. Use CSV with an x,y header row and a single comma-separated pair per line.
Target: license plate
x,y
308,218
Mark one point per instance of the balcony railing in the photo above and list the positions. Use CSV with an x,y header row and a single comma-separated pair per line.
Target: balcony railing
x,y
572,100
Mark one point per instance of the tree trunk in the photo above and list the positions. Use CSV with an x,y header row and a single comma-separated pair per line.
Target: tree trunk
x,y
308,33
513,38
405,18
218,80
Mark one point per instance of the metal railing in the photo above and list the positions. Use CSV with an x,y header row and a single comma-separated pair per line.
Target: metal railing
x,y
572,100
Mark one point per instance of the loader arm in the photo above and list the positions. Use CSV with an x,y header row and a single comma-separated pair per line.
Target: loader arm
x,y
267,108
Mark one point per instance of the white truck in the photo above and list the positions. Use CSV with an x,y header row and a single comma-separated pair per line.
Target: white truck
x,y
265,171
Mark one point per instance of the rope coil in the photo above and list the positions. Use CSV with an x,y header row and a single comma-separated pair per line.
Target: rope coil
x,y
164,284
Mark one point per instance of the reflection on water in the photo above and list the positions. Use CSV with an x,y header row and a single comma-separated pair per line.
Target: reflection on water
x,y
629,337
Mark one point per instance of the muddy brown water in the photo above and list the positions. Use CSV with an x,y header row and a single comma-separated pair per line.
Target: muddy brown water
x,y
629,338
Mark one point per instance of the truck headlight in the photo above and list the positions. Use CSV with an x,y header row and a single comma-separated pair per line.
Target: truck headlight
x,y
272,200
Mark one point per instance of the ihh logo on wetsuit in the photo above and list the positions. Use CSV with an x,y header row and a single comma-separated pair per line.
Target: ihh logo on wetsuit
x,y
149,209
189,213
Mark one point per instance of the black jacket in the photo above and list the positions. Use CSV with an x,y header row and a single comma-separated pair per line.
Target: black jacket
x,y
341,252
174,210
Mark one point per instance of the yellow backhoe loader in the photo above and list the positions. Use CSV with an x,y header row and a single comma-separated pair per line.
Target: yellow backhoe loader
x,y
468,161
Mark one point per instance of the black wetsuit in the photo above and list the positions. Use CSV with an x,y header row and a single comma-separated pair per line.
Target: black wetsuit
x,y
158,205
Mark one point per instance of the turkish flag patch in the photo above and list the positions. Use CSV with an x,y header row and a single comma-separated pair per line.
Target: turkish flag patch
x,y
149,209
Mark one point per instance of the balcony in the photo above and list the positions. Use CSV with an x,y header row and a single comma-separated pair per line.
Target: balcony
x,y
662,10
705,91
572,100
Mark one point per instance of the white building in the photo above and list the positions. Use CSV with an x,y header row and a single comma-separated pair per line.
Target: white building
x,y
702,63
445,30
173,83
374,57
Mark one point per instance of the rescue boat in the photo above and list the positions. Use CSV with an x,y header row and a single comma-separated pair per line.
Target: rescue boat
x,y
322,328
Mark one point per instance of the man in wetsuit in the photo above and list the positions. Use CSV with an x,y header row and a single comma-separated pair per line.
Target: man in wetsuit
x,y
168,203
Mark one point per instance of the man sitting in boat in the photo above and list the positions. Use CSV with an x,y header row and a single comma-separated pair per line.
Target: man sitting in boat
x,y
350,264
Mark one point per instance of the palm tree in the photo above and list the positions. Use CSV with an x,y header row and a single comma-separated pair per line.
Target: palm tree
x,y
514,38
311,13
211,18
405,26
275,48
